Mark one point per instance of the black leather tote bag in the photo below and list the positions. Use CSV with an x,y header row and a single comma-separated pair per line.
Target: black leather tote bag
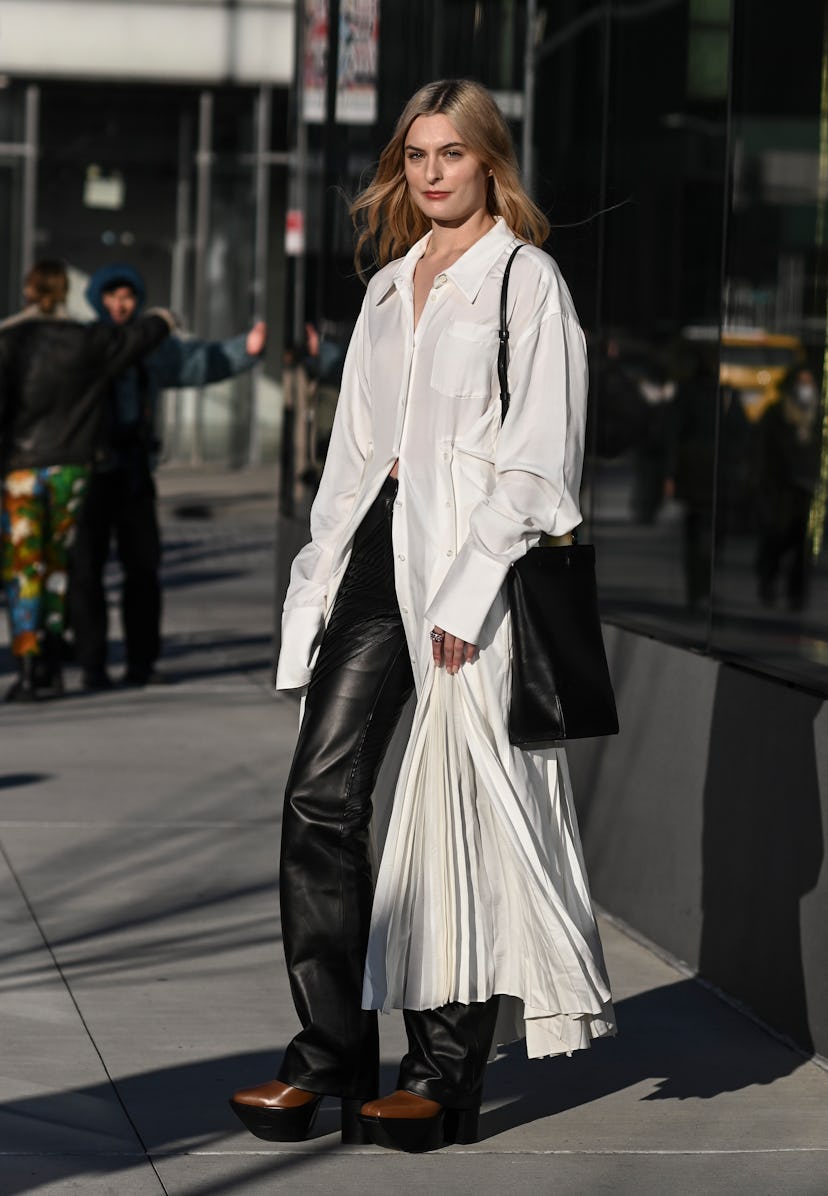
x,y
561,687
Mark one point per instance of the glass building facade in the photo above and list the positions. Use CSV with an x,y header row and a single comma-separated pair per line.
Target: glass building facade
x,y
680,149
159,141
699,165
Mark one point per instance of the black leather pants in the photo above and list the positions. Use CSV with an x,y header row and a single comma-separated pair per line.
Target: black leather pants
x,y
360,684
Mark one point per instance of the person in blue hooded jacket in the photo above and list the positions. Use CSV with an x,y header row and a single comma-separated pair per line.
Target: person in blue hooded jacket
x,y
121,501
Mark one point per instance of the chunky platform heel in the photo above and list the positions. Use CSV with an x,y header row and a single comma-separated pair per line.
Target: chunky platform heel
x,y
354,1133
278,1112
414,1136
277,1123
462,1126
405,1121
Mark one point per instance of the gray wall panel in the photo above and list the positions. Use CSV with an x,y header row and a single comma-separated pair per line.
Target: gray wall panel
x,y
703,826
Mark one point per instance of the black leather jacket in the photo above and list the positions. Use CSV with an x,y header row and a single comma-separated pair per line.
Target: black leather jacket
x,y
54,379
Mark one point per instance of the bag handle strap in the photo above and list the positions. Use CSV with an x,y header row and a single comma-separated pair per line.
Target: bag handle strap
x,y
570,538
502,375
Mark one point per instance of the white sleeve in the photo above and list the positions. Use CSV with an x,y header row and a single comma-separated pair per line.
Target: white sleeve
x,y
305,603
538,465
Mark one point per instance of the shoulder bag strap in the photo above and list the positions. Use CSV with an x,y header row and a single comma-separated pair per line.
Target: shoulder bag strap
x,y
502,375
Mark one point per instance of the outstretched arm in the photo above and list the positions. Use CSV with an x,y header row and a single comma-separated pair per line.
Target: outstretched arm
x,y
198,363
112,349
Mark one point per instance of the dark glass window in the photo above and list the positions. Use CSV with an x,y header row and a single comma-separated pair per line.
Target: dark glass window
x,y
686,173
684,167
770,594
654,335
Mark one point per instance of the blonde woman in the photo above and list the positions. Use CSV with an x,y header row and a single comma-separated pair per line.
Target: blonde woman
x,y
481,927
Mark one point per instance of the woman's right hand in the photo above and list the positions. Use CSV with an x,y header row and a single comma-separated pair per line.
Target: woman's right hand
x,y
450,650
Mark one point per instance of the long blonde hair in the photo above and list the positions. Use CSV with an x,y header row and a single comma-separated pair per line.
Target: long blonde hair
x,y
387,220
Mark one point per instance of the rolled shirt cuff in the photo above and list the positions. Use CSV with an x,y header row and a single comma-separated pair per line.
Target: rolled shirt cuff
x,y
467,593
301,626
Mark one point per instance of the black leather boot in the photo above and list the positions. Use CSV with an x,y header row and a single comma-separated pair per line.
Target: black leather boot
x,y
48,671
23,690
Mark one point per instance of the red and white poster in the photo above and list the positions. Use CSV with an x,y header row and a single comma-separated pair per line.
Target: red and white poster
x,y
314,75
356,91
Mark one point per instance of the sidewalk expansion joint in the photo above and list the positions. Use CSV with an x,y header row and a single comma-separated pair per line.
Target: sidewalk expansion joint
x,y
679,965
377,1152
65,982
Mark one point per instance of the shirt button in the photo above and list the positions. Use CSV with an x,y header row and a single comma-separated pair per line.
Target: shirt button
x,y
432,296
440,279
402,556
449,552
404,610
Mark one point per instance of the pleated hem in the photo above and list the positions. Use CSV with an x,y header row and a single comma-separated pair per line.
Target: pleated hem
x,y
481,888
548,1035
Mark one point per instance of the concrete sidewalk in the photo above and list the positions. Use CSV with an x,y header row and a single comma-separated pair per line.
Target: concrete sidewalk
x,y
141,979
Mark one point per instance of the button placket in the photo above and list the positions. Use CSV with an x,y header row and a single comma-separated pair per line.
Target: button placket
x,y
450,502
439,281
410,337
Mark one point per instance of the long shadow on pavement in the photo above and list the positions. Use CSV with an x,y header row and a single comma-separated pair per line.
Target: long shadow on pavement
x,y
679,1036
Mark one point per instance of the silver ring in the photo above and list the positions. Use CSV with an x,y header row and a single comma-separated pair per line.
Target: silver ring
x,y
436,637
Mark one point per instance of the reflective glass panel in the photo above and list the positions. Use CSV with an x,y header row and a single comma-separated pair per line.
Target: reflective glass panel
x,y
770,596
654,350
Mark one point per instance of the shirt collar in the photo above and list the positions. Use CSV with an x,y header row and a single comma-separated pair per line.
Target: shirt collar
x,y
469,271
403,276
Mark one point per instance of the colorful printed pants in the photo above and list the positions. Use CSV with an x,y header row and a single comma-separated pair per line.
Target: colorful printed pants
x,y
40,508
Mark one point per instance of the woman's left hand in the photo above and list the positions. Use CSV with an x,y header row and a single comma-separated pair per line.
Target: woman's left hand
x,y
450,651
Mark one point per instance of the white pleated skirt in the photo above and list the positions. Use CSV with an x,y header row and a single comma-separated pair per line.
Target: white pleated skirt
x,y
481,888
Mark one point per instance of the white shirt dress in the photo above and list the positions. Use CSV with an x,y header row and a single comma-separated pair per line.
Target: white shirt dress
x,y
481,888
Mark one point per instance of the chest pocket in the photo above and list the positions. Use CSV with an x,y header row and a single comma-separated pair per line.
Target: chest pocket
x,y
464,360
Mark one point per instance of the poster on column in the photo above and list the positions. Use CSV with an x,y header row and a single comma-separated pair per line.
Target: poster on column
x,y
356,92
314,75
